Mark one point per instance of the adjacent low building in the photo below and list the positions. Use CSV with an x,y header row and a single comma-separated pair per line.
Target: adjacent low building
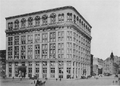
x,y
54,43
97,66
2,62
111,65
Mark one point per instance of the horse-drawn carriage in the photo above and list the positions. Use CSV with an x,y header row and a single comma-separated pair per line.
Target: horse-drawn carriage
x,y
40,83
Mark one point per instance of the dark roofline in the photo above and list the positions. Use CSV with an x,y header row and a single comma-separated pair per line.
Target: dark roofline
x,y
54,9
2,50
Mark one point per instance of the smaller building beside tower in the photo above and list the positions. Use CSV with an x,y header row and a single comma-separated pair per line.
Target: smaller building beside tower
x,y
97,66
91,67
2,62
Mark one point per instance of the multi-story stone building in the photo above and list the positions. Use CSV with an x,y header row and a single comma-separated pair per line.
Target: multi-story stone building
x,y
111,64
54,43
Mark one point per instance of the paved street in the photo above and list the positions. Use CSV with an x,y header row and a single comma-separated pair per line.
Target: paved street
x,y
105,81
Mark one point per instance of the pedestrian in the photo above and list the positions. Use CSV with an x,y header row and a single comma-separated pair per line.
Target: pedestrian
x,y
60,79
13,77
119,80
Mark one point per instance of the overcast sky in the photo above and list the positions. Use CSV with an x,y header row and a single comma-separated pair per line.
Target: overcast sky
x,y
103,16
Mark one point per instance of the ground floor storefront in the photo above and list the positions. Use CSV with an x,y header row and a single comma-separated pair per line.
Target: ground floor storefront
x,y
47,69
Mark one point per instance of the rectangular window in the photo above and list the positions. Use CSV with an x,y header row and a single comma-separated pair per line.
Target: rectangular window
x,y
37,63
29,70
37,70
44,63
16,40
10,64
44,70
30,51
61,70
52,70
60,63
60,35
44,37
10,50
29,63
16,52
23,39
52,63
10,40
37,51
44,51
52,36
37,38
23,52
60,50
30,39
52,48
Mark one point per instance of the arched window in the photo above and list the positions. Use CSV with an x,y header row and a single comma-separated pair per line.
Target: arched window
x,y
30,21
23,23
53,18
69,16
44,19
16,24
10,25
37,20
60,17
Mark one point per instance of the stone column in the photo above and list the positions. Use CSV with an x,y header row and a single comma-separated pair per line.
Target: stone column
x,y
71,69
26,64
7,74
40,69
56,69
48,69
33,68
13,69
64,73
74,70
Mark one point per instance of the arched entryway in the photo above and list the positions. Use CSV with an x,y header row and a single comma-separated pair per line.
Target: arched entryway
x,y
22,71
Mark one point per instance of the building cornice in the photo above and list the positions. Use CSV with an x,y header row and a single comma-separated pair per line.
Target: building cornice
x,y
49,10
46,27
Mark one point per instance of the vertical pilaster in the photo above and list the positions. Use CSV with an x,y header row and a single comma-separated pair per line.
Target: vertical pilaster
x,y
48,51
6,48
13,48
48,69
74,70
33,68
26,64
71,69
7,74
56,69
56,44
13,69
33,48
64,73
65,48
40,69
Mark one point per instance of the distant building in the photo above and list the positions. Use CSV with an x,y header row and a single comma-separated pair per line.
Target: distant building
x,y
111,64
2,62
91,68
97,66
54,43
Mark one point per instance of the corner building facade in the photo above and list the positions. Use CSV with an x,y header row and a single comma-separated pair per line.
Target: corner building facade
x,y
54,43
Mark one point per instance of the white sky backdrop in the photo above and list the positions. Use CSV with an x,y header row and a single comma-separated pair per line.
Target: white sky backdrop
x,y
103,15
